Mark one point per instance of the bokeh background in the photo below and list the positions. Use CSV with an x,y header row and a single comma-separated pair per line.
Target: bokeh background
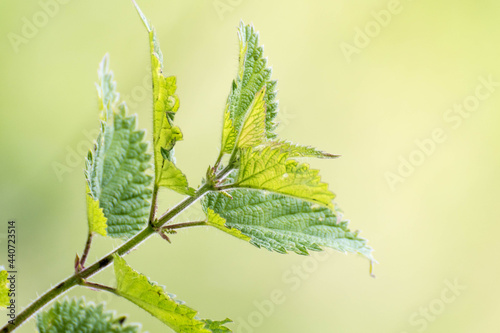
x,y
435,226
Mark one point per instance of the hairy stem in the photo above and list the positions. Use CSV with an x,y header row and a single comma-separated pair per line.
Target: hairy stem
x,y
219,159
86,250
102,263
184,225
97,286
154,205
169,215
40,302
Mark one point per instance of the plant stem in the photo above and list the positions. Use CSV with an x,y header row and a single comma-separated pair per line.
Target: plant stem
x,y
184,225
97,286
154,205
102,263
40,302
225,172
227,187
86,250
169,215
219,159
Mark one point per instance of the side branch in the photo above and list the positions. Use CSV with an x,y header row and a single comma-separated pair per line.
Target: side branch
x,y
97,286
104,262
183,225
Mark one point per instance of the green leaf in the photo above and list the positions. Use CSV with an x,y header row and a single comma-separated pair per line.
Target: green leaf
x,y
270,169
95,215
165,106
106,89
165,135
253,130
174,179
253,76
117,169
295,150
76,316
139,290
229,134
281,223
217,326
215,220
4,289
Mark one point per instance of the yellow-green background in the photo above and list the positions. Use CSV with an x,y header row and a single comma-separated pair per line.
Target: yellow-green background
x,y
440,224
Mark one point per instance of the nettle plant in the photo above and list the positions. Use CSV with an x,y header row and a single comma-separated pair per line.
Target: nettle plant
x,y
256,191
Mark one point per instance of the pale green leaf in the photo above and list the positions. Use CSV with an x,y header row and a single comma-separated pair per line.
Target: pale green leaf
x,y
165,134
215,220
217,326
270,169
142,16
253,130
295,150
165,106
76,316
253,76
281,223
139,290
106,89
95,215
4,289
229,134
117,169
174,179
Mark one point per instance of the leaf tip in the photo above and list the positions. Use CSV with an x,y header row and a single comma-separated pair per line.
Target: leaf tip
x,y
142,16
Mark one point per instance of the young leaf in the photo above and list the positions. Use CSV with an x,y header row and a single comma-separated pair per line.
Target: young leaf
x,y
215,220
95,215
117,168
253,78
281,223
165,106
253,130
229,134
295,150
174,179
4,289
76,316
106,89
139,290
270,169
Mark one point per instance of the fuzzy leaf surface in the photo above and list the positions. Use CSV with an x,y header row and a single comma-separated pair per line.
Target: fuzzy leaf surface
x,y
117,169
106,89
281,223
270,169
253,76
139,290
296,150
76,316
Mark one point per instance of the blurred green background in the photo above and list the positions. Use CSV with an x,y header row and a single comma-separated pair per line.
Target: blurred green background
x,y
433,227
